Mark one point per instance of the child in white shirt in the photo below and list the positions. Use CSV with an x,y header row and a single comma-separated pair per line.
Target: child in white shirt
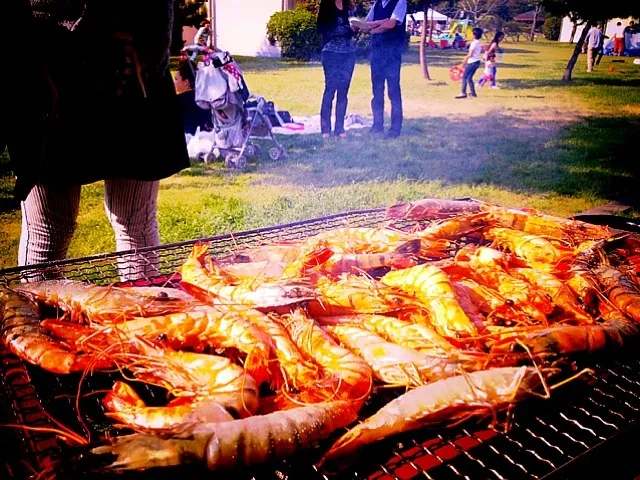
x,y
471,63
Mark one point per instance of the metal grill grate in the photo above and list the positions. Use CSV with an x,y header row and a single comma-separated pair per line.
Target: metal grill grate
x,y
564,437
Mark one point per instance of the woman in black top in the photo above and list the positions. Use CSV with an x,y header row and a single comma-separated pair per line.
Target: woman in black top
x,y
338,61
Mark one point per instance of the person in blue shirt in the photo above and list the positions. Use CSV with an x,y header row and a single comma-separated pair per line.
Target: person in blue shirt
x,y
594,42
387,21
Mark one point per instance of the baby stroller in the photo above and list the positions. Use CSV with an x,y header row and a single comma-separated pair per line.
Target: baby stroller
x,y
237,115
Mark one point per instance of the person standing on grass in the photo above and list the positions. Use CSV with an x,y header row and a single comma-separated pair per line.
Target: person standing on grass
x,y
470,64
107,111
629,30
594,41
618,39
387,20
338,61
493,51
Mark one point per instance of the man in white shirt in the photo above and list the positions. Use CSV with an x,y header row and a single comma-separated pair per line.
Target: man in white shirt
x,y
618,39
387,19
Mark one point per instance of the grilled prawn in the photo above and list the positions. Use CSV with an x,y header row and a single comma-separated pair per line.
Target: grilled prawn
x,y
226,445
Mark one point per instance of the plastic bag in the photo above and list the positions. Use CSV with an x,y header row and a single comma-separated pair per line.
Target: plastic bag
x,y
211,84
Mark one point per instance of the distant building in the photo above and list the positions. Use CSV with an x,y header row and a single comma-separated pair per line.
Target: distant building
x,y
240,26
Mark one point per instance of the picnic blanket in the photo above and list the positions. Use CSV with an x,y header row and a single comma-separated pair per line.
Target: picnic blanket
x,y
311,125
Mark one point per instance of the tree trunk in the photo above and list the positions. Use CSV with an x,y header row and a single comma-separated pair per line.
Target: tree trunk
x,y
423,42
574,29
431,27
532,35
576,53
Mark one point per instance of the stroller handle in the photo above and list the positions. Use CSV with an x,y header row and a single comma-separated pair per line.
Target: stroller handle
x,y
215,55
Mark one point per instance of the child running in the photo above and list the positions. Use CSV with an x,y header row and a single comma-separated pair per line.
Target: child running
x,y
471,63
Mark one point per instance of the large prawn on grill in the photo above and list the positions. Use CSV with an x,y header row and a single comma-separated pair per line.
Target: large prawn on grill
x,y
355,294
226,445
433,289
216,326
203,279
488,267
344,376
126,406
446,400
392,364
195,376
22,333
103,304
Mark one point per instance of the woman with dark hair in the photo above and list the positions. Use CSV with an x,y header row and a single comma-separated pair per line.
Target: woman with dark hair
x,y
470,64
194,117
493,50
338,61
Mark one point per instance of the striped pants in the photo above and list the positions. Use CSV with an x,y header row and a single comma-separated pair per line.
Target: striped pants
x,y
49,218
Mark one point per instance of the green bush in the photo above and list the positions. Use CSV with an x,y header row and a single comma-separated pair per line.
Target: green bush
x,y
296,33
551,27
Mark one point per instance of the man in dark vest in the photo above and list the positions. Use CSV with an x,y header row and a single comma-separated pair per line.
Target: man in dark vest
x,y
387,19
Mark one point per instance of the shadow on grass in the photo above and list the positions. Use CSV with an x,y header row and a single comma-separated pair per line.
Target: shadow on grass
x,y
524,84
585,158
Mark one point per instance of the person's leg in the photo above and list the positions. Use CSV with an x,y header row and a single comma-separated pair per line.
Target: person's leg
x,y
330,86
378,62
590,54
392,73
599,55
49,216
465,81
494,72
131,207
345,73
472,70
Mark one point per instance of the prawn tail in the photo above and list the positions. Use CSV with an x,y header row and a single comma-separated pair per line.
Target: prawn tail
x,y
339,455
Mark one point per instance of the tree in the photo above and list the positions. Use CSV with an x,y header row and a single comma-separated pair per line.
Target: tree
x,y
481,8
576,22
538,7
187,13
424,6
591,13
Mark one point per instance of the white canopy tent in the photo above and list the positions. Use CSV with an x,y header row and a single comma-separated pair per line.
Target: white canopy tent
x,y
437,16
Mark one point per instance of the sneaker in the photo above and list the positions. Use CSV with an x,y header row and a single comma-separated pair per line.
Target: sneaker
x,y
473,95
376,131
495,87
326,135
462,95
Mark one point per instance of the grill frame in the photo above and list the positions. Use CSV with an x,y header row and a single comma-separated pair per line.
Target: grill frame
x,y
460,449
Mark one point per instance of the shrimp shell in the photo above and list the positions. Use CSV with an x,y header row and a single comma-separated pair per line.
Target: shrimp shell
x,y
226,445
444,400
22,332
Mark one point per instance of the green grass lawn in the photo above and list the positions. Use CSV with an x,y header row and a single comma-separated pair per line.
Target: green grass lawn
x,y
537,142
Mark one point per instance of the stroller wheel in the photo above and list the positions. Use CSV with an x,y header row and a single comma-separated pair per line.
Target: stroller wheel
x,y
201,156
241,162
232,161
210,158
276,153
251,150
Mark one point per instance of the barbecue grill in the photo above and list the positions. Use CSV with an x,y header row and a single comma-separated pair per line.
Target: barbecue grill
x,y
587,428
